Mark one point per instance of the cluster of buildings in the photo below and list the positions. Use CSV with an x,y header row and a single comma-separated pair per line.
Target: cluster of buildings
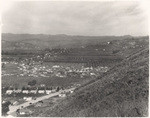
x,y
42,89
37,70
30,91
24,112
37,91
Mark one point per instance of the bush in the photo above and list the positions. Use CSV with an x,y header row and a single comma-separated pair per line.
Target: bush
x,y
32,83
5,108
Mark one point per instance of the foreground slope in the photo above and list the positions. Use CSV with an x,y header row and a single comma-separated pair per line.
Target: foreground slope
x,y
122,91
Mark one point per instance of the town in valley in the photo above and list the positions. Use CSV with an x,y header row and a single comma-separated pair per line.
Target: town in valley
x,y
74,59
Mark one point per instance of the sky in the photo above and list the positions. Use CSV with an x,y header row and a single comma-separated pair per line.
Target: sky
x,y
75,18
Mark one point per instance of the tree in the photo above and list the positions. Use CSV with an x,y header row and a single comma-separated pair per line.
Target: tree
x,y
5,108
23,88
51,88
18,111
4,89
62,88
3,65
16,86
32,83
57,89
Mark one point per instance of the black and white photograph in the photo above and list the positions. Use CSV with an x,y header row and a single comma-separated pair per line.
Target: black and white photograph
x,y
74,58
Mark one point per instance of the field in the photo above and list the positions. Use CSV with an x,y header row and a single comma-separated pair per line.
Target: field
x,y
55,81
20,81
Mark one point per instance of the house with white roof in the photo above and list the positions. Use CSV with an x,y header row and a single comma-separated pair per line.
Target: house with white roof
x,y
18,91
41,91
25,91
48,91
71,91
27,98
23,112
9,92
53,91
33,91
62,95
42,85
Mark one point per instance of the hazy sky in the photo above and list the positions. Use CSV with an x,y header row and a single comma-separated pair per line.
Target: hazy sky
x,y
75,18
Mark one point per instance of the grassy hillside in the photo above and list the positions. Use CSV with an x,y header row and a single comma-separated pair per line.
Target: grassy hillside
x,y
122,91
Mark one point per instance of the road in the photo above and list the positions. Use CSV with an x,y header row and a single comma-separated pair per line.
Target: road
x,y
13,109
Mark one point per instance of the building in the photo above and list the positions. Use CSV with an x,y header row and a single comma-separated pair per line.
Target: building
x,y
18,91
33,91
92,74
48,91
25,91
41,91
9,92
27,98
3,101
23,112
71,91
42,85
53,91
62,95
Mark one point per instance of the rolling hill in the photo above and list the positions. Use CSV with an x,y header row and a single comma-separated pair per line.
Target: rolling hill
x,y
121,92
42,41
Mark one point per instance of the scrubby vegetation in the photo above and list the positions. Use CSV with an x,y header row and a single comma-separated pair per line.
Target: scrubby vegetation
x,y
121,92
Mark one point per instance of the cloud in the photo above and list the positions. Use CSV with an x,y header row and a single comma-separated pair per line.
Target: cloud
x,y
76,18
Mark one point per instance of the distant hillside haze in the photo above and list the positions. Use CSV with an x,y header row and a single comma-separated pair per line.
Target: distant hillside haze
x,y
42,41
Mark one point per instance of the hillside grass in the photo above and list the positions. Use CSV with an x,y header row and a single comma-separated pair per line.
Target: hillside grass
x,y
121,92
48,81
